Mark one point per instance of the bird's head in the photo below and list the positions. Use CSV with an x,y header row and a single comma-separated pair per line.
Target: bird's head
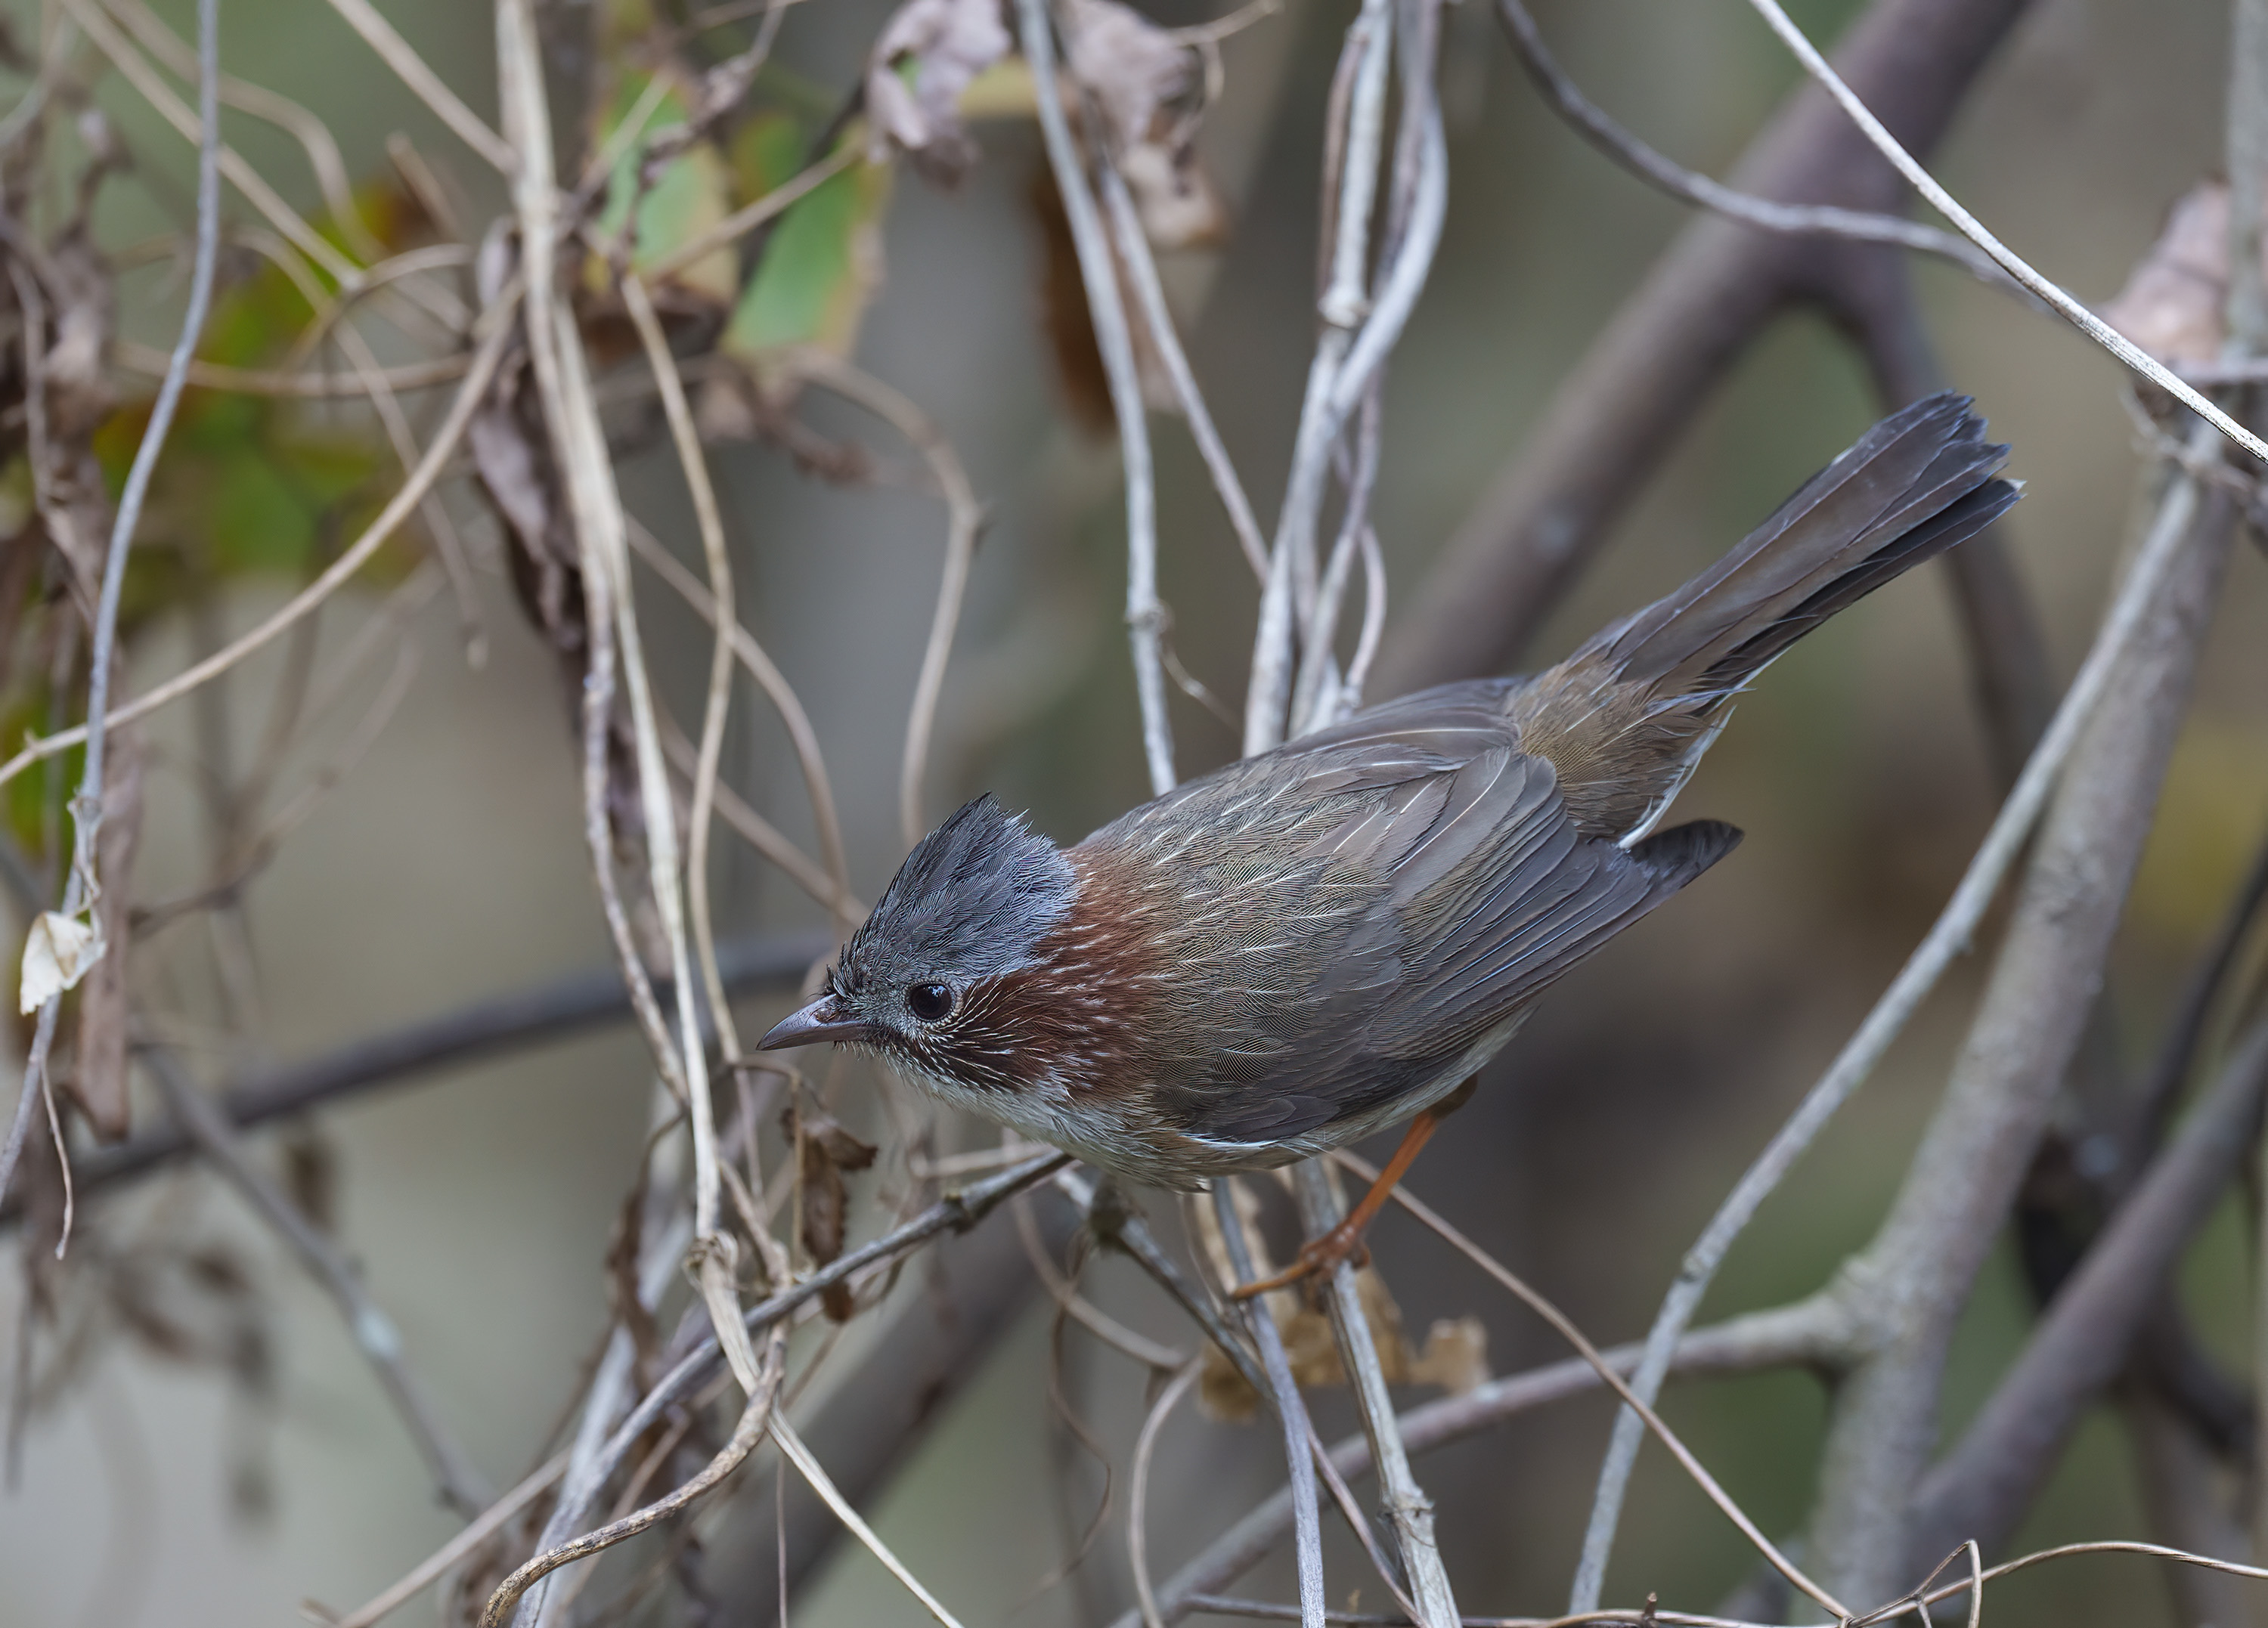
x,y
921,979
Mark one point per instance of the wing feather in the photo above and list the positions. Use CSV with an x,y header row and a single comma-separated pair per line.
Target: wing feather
x,y
1367,926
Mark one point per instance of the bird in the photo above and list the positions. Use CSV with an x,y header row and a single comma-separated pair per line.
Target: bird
x,y
1320,942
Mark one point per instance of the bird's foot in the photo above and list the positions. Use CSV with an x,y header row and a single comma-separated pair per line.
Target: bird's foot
x,y
1318,1257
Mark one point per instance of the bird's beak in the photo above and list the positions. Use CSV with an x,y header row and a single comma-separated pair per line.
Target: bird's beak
x,y
821,1020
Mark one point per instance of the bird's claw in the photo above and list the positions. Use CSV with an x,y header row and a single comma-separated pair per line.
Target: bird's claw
x,y
1318,1257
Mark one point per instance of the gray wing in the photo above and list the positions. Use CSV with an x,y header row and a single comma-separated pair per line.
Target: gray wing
x,y
1371,902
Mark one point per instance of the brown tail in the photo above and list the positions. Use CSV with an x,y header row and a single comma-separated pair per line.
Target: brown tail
x,y
1918,483
1625,719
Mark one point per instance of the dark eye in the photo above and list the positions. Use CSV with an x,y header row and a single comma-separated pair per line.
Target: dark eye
x,y
929,1001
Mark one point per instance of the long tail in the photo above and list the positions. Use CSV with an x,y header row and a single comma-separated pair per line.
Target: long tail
x,y
1918,483
1625,719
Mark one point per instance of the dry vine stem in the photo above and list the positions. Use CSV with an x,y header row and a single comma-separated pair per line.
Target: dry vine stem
x,y
1099,276
82,888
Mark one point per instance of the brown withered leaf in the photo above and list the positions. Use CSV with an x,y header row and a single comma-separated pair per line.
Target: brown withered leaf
x,y
99,1083
624,1244
2174,298
311,1173
927,55
1455,1357
1148,86
824,1151
78,393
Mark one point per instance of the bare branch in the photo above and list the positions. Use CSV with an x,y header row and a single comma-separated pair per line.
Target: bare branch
x,y
1911,1281
1705,300
1804,1334
82,888
437,1565
2077,314
375,1334
2118,647
534,1016
1984,1486
963,516
958,1212
1591,123
971,1291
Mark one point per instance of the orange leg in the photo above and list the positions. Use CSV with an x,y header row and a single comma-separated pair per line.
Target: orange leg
x,y
1344,1242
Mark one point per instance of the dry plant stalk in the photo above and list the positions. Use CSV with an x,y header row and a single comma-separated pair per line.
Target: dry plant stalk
x,y
558,282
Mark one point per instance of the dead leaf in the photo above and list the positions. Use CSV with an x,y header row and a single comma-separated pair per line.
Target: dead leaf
x,y
2174,298
99,1083
57,953
927,55
824,1151
1147,85
1455,1357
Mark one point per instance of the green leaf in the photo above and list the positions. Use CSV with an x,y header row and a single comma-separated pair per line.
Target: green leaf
x,y
819,270
685,199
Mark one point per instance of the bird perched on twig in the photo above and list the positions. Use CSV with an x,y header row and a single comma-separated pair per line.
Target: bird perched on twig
x,y
1330,938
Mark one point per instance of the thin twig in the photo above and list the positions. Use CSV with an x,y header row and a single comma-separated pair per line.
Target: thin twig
x,y
746,219
956,1213
793,1449
1099,275
314,137
710,523
373,1331
579,444
757,831
398,508
1137,1495
82,887
305,386
1408,1509
963,517
756,1417
428,87
1984,1485
831,887
1592,123
2071,309
1590,1354
1286,599
1133,247
434,1566
1810,1333
1291,1410
129,62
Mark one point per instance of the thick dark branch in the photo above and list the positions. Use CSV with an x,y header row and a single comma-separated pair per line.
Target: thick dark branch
x,y
1986,1483
485,1028
1706,299
1912,1281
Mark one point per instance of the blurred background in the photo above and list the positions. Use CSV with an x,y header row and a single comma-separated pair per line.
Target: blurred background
x,y
450,865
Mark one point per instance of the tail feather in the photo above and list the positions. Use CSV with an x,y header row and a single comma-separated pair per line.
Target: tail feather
x,y
1624,720
1918,483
